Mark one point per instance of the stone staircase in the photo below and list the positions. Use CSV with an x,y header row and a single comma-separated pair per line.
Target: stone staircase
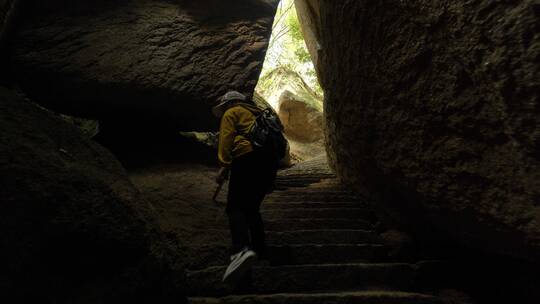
x,y
323,249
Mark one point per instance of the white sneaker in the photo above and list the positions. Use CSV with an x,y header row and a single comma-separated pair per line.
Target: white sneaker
x,y
240,264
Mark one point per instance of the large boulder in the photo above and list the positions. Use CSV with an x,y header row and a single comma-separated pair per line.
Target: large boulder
x,y
272,85
151,62
73,229
438,102
301,121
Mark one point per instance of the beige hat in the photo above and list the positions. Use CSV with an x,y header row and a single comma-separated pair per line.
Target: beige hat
x,y
219,109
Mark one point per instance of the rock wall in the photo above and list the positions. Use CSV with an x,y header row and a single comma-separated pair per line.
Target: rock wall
x,y
152,62
437,102
73,229
7,12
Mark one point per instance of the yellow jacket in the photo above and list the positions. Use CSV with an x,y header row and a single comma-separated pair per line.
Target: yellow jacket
x,y
235,123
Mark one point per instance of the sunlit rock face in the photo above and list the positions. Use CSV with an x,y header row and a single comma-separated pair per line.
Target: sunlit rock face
x,y
301,121
303,127
73,229
282,79
155,62
437,102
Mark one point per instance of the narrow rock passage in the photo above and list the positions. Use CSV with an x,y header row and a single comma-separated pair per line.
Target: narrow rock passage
x,y
323,249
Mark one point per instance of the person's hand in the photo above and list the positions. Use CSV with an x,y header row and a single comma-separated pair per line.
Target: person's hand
x,y
222,175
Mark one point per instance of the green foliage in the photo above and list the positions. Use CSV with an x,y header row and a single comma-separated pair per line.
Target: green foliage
x,y
297,37
294,27
302,55
288,52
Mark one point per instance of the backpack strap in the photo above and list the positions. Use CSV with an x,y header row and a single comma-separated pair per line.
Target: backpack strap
x,y
253,112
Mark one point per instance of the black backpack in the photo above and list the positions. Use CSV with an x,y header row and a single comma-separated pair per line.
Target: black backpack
x,y
267,134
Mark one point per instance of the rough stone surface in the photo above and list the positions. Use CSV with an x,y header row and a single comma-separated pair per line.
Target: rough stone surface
x,y
162,61
8,10
308,12
438,102
301,122
73,229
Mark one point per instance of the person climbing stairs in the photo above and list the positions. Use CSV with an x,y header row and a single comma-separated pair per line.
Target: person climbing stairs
x,y
323,248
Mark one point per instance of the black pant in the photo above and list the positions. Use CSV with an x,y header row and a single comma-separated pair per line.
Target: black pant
x,y
252,175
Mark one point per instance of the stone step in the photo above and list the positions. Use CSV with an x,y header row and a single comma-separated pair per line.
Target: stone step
x,y
300,186
316,205
325,182
307,278
308,191
281,224
320,236
310,197
295,178
300,180
218,255
327,254
291,181
289,186
319,213
338,236
315,190
312,170
359,297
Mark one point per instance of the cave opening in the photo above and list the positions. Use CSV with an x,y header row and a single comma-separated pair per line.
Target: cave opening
x,y
430,112
289,84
